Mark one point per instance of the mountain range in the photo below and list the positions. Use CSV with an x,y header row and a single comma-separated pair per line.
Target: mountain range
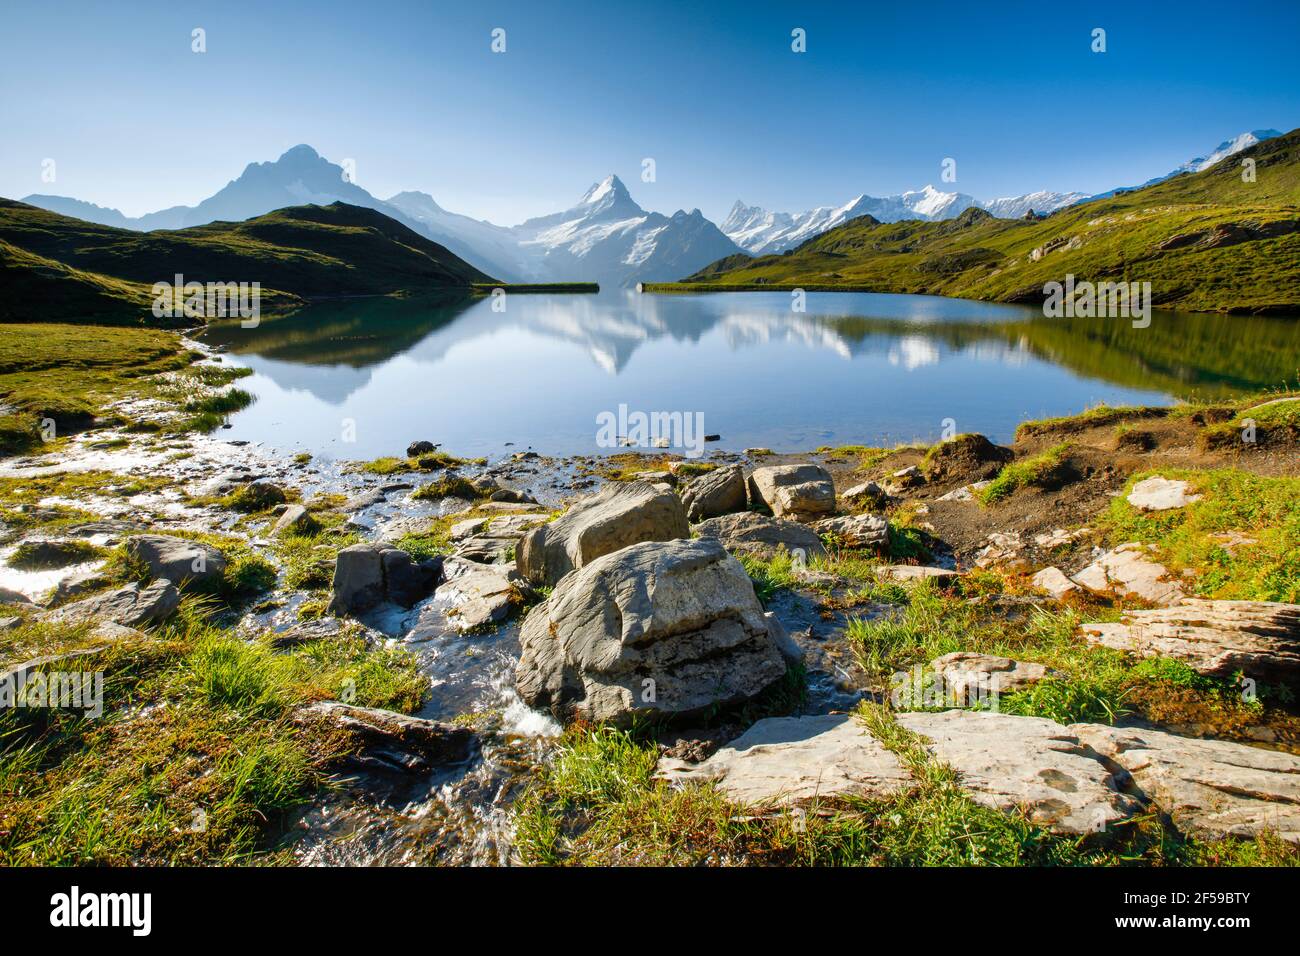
x,y
56,267
605,237
1213,241
760,232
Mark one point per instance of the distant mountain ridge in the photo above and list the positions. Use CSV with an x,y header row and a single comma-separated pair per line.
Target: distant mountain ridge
x,y
66,268
1204,241
760,232
606,237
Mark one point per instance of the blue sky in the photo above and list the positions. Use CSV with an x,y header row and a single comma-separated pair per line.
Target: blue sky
x,y
713,92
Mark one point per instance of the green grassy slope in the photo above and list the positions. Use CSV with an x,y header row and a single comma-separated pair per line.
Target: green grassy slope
x,y
78,270
1206,242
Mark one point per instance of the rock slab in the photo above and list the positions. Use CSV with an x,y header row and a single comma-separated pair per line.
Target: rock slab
x,y
1217,638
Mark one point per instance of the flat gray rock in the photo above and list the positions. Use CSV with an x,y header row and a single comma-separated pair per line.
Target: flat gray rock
x,y
1160,494
1261,639
1026,763
786,760
968,676
1209,788
130,606
1128,570
901,573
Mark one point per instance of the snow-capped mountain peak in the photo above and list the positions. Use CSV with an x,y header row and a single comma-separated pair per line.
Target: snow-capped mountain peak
x,y
1227,148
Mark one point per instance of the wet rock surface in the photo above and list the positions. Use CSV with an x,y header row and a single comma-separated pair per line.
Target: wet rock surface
x,y
384,739
130,606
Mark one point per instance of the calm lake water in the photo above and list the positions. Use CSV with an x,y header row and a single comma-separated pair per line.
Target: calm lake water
x,y
854,368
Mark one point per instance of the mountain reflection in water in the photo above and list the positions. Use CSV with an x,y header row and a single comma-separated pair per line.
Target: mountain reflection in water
x,y
853,368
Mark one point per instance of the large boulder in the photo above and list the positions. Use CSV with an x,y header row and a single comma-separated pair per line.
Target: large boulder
x,y
366,575
177,559
714,493
130,606
796,491
667,629
1261,639
620,514
762,537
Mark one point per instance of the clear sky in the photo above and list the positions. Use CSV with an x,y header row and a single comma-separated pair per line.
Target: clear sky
x,y
711,91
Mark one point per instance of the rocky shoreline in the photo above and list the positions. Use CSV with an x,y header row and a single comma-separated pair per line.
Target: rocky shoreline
x,y
740,622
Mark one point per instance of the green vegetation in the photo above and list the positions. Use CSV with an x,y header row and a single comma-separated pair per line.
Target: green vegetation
x,y
1086,684
1097,417
1206,242
448,486
196,759
430,461
1042,470
29,555
1240,541
100,273
597,803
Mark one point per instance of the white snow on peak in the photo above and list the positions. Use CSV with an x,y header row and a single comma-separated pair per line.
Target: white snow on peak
x,y
1227,148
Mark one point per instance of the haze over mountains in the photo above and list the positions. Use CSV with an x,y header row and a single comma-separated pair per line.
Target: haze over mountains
x,y
605,237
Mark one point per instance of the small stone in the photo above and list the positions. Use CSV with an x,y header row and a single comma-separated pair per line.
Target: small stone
x,y
1160,494
1054,582
915,572
295,520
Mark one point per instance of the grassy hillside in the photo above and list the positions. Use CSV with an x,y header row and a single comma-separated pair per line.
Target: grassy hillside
x,y
1206,242
67,269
